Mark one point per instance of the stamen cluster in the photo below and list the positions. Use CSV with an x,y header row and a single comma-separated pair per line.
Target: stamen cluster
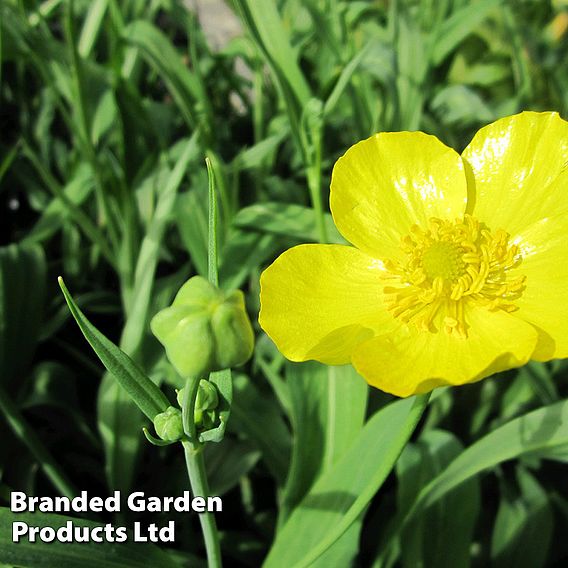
x,y
447,265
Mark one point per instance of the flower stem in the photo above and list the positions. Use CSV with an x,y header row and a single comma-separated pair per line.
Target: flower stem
x,y
188,408
200,488
192,447
26,434
314,185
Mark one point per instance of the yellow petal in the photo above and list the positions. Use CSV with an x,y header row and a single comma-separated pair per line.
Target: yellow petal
x,y
516,162
544,301
320,301
407,363
391,181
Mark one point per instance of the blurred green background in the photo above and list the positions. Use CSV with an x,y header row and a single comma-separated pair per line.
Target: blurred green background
x,y
108,109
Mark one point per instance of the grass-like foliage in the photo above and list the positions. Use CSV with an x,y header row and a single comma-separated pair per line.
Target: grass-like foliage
x,y
108,111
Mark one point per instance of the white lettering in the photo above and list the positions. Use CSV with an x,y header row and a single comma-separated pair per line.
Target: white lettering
x,y
18,529
136,502
18,503
154,505
96,504
214,504
198,504
66,533
168,534
182,504
47,534
137,533
95,534
121,534
112,504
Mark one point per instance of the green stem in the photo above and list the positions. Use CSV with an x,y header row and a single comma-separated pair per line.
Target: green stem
x,y
187,409
200,488
193,448
382,471
314,184
26,434
312,156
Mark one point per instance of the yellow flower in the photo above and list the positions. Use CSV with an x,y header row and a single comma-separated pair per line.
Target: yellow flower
x,y
459,267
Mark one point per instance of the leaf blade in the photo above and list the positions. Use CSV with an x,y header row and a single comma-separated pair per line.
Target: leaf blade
x,y
148,397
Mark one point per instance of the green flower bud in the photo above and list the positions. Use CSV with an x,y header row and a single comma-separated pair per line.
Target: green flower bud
x,y
206,402
204,329
207,397
169,425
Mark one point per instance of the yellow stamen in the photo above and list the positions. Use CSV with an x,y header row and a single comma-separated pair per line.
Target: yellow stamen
x,y
447,265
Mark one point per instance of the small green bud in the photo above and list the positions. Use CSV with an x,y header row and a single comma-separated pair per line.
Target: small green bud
x,y
169,425
207,397
204,329
206,402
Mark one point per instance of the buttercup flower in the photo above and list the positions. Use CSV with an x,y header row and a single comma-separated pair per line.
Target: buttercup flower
x,y
459,264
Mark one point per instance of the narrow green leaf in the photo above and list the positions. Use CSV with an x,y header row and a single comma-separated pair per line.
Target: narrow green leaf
x,y
91,27
339,497
540,432
461,23
228,462
524,525
212,257
265,24
243,253
412,72
442,535
191,220
162,56
344,79
149,254
256,156
259,419
147,396
22,295
76,191
346,406
27,436
327,412
10,156
287,219
308,398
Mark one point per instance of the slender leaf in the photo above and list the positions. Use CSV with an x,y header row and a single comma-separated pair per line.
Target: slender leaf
x,y
338,497
257,416
442,535
147,396
286,219
462,22
22,295
524,525
540,432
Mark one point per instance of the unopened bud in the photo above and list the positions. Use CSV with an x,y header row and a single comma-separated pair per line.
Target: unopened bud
x,y
206,402
204,329
169,425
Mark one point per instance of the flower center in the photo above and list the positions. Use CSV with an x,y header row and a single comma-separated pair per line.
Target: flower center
x,y
447,265
443,259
